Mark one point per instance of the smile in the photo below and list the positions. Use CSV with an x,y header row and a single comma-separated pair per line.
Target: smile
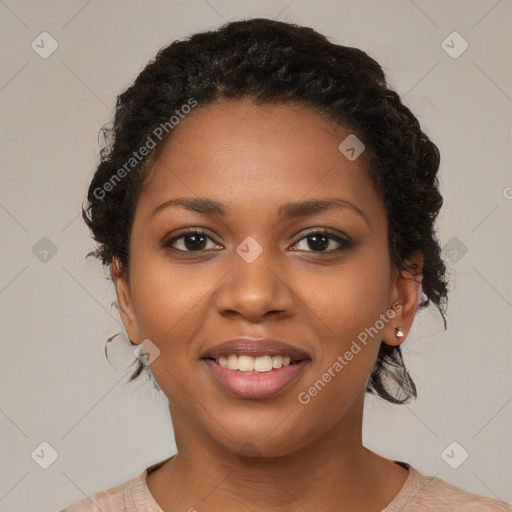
x,y
254,377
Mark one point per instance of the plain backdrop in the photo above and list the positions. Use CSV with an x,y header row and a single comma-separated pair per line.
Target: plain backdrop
x,y
62,405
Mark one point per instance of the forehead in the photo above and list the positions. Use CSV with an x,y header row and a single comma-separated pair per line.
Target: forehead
x,y
247,155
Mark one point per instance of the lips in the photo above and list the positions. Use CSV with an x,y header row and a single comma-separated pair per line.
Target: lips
x,y
256,385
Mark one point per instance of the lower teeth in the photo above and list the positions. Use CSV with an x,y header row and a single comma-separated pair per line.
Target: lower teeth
x,y
254,372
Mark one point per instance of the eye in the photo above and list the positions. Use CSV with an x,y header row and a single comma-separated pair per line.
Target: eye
x,y
193,240
196,240
319,240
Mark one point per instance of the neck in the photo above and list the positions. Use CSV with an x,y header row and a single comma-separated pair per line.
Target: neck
x,y
335,472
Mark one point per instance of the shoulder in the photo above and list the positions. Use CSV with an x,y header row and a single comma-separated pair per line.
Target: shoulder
x,y
125,497
422,492
130,496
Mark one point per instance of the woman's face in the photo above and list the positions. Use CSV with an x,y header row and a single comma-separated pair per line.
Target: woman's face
x,y
257,272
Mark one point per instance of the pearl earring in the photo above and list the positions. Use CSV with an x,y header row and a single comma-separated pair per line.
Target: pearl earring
x,y
398,332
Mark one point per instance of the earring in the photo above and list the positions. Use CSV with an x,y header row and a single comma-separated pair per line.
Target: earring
x,y
398,332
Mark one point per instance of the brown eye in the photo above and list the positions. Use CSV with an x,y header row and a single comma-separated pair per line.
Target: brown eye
x,y
319,241
189,241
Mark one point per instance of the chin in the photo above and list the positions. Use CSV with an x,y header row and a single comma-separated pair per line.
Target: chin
x,y
269,442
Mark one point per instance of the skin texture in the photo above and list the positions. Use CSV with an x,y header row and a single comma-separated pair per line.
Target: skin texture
x,y
253,159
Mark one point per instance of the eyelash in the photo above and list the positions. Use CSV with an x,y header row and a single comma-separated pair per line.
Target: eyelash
x,y
345,244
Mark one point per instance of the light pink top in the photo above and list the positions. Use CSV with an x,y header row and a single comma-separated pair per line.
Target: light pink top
x,y
419,493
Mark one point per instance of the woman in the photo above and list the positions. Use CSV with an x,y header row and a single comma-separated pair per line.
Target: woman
x,y
266,205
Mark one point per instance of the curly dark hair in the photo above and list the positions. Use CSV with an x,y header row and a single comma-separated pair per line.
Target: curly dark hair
x,y
272,62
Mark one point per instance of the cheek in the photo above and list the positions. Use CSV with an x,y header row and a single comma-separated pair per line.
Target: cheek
x,y
347,298
346,307
166,295
168,303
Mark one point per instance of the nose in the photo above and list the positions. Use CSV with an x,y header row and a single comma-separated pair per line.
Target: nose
x,y
255,289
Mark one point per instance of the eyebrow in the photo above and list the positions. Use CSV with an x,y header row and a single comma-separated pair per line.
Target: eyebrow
x,y
286,211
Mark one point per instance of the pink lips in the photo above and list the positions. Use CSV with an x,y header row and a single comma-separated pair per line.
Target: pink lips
x,y
255,385
247,385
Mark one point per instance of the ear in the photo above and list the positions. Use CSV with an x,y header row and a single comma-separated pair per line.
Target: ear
x,y
406,290
126,309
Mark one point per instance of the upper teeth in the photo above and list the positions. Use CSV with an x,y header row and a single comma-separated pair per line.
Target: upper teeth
x,y
246,363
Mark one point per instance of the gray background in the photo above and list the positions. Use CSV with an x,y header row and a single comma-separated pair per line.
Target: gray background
x,y
56,385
